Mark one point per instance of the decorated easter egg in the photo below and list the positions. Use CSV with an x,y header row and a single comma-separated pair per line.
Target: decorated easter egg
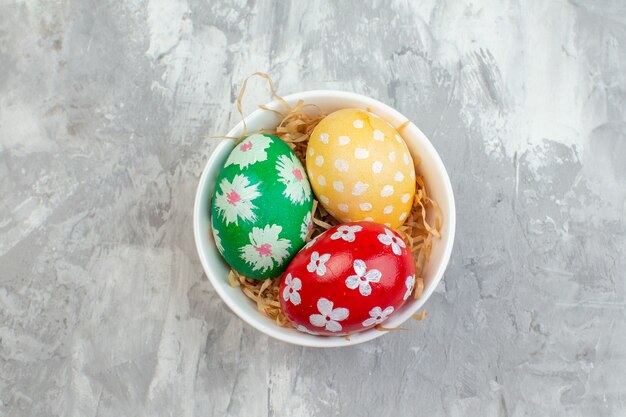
x,y
360,168
349,279
261,207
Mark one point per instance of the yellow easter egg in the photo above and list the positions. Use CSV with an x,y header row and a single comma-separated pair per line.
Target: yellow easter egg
x,y
360,168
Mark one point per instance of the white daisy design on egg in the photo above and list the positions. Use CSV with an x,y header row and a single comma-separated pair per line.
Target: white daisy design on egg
x,y
234,200
252,150
291,174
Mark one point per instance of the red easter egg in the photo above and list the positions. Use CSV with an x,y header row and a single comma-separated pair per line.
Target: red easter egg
x,y
349,279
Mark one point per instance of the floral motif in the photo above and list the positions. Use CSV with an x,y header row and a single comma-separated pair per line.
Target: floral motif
x,y
306,226
290,292
363,278
317,263
266,248
291,173
250,151
328,318
306,330
233,201
388,238
346,233
218,240
377,316
410,283
312,241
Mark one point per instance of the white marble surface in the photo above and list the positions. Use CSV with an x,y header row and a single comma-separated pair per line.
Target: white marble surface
x,y
104,111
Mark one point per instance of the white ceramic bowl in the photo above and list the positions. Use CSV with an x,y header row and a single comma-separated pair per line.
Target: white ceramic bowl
x,y
430,167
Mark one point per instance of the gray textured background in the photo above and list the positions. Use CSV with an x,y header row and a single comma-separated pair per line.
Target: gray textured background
x,y
104,109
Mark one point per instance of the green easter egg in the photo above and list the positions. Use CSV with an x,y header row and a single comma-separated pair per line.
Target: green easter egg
x,y
261,207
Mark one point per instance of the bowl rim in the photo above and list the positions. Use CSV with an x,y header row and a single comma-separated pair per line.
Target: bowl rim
x,y
302,339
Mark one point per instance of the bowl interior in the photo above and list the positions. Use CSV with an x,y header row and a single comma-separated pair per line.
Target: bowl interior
x,y
430,167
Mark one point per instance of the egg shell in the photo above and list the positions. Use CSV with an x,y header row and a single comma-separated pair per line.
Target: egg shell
x,y
261,207
360,168
349,279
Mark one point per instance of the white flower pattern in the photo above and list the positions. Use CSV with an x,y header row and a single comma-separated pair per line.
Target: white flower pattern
x,y
311,242
318,263
266,248
291,174
250,151
410,283
389,239
306,226
346,233
363,278
218,240
305,329
328,318
233,201
377,316
290,292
